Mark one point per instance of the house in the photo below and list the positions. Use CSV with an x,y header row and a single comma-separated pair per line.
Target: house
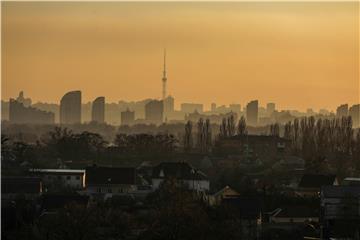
x,y
28,187
223,194
52,178
182,172
351,181
294,214
310,184
107,181
340,208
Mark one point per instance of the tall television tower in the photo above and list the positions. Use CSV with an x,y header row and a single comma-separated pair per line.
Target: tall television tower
x,y
164,79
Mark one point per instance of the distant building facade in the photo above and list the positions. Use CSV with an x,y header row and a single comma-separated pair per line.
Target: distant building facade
x,y
342,111
252,109
169,103
25,101
192,107
354,112
18,113
127,117
214,118
270,108
70,108
98,110
235,108
154,112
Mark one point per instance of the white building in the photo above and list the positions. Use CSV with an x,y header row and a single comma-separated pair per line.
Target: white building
x,y
73,178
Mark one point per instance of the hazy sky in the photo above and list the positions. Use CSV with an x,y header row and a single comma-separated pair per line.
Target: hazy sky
x,y
298,55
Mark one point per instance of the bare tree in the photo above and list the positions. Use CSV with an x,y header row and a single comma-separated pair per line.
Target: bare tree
x,y
241,129
231,125
188,140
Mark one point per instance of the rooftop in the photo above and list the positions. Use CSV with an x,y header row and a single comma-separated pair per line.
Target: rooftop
x,y
109,175
316,180
180,170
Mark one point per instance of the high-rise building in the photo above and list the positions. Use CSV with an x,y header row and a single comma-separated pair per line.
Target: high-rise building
x,y
213,107
127,117
191,107
169,103
270,108
354,112
70,108
342,110
154,111
18,113
25,101
98,110
235,108
252,109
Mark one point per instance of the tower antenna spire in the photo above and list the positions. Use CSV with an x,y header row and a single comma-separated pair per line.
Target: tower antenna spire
x,y
164,78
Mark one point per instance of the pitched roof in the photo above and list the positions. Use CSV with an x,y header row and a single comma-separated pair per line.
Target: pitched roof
x,y
108,175
316,180
179,170
20,185
296,212
227,191
340,191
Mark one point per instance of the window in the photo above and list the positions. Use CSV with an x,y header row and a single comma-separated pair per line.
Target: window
x,y
77,177
68,177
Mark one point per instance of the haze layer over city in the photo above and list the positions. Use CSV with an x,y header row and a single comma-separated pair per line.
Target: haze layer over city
x,y
180,120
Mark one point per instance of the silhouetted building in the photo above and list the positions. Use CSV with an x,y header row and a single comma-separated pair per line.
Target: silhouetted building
x,y
342,111
70,108
5,110
154,111
110,180
18,113
235,108
214,118
98,110
252,113
310,184
25,101
270,108
191,107
127,117
340,213
354,112
168,106
213,107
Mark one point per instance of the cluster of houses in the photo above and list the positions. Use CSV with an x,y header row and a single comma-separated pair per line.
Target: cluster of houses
x,y
339,204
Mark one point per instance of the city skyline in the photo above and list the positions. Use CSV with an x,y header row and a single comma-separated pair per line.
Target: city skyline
x,y
302,64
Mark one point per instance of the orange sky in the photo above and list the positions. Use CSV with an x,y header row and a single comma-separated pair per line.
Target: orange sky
x,y
298,55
